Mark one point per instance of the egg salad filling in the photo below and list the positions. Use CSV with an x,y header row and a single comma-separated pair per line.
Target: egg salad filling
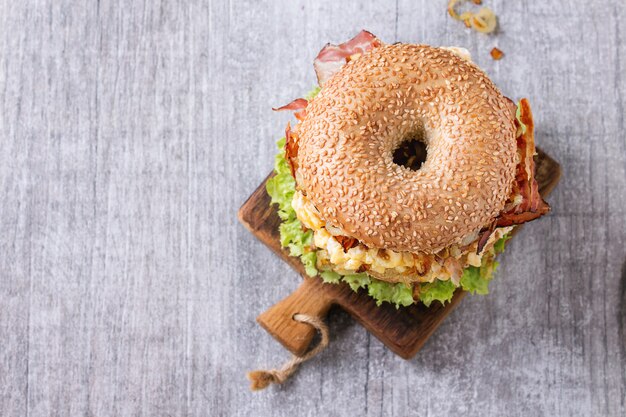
x,y
403,266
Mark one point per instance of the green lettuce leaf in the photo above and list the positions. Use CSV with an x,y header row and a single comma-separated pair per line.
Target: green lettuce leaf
x,y
498,247
356,281
330,277
437,290
399,294
472,281
281,189
311,95
476,279
308,260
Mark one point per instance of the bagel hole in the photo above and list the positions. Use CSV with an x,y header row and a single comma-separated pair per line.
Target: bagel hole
x,y
411,153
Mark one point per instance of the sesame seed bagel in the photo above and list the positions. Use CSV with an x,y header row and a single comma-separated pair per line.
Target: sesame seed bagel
x,y
344,160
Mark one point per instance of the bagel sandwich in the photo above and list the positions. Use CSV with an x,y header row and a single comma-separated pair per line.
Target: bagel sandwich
x,y
405,173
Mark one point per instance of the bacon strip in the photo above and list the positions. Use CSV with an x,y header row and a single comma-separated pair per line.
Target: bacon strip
x,y
332,57
291,149
346,242
484,237
532,205
329,60
297,104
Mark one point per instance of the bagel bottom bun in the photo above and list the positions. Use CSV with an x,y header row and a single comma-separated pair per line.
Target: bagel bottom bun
x,y
395,276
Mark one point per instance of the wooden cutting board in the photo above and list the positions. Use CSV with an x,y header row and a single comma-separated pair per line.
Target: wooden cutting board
x,y
403,330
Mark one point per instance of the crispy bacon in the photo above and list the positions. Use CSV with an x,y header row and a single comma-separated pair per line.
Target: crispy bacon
x,y
299,105
484,237
332,57
291,149
346,242
532,205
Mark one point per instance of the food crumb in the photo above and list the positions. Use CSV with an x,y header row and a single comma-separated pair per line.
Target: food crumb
x,y
484,20
496,54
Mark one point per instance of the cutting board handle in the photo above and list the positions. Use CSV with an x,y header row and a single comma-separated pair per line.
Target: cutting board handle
x,y
278,320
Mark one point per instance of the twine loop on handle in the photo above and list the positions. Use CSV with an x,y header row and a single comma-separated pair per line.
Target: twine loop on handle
x,y
261,379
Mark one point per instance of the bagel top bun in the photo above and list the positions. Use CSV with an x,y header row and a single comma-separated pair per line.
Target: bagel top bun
x,y
343,149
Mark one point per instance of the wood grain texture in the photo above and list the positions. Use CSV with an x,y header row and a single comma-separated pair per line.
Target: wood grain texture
x,y
132,131
404,330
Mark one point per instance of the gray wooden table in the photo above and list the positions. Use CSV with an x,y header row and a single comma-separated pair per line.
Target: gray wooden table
x,y
131,132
